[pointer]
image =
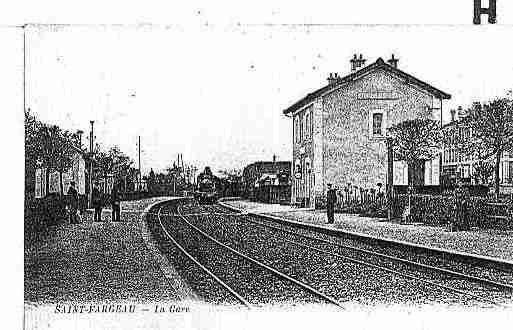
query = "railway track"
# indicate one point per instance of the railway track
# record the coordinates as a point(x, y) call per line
point(487, 277)
point(442, 278)
point(492, 276)
point(243, 277)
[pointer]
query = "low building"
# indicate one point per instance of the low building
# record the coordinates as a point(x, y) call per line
point(339, 130)
point(253, 173)
point(76, 173)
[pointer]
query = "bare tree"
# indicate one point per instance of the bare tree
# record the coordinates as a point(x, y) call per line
point(121, 163)
point(47, 152)
point(65, 149)
point(113, 162)
point(32, 149)
point(483, 170)
point(492, 128)
point(103, 165)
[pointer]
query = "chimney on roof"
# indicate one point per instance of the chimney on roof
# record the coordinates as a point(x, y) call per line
point(393, 61)
point(353, 62)
point(333, 77)
point(357, 62)
point(361, 61)
point(462, 113)
point(453, 115)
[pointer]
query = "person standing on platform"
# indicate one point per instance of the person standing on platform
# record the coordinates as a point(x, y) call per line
point(331, 200)
point(114, 199)
point(460, 218)
point(97, 203)
point(72, 203)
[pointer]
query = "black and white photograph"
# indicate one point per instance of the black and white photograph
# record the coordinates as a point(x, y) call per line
point(250, 175)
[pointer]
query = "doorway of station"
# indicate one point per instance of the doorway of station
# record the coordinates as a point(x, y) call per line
point(309, 198)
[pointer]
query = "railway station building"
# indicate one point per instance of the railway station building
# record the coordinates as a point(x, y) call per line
point(339, 130)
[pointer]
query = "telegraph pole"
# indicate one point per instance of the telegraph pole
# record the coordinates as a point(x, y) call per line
point(91, 143)
point(140, 174)
point(24, 69)
point(79, 133)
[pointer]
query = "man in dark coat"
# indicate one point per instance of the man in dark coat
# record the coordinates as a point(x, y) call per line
point(460, 216)
point(331, 200)
point(114, 200)
point(97, 203)
point(72, 203)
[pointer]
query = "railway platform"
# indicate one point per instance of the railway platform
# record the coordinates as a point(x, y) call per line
point(492, 244)
point(100, 261)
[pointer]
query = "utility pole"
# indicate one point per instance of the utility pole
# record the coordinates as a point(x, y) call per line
point(140, 174)
point(390, 177)
point(24, 69)
point(79, 133)
point(175, 169)
point(91, 156)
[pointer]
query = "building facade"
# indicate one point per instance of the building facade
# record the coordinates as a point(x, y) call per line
point(76, 173)
point(339, 130)
point(458, 163)
point(253, 173)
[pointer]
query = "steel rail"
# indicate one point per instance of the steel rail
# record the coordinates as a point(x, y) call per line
point(482, 280)
point(205, 269)
point(409, 262)
point(386, 269)
point(271, 269)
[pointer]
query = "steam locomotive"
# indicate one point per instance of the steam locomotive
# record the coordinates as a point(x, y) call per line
point(207, 187)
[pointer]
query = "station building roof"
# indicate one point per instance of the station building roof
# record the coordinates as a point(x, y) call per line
point(379, 64)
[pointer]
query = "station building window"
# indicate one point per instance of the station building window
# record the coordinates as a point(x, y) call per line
point(297, 129)
point(377, 121)
point(307, 125)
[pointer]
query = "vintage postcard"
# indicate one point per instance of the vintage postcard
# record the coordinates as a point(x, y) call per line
point(248, 176)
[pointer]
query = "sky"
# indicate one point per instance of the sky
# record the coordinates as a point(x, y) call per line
point(216, 93)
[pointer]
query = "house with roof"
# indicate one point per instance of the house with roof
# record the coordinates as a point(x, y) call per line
point(468, 168)
point(76, 173)
point(254, 172)
point(339, 130)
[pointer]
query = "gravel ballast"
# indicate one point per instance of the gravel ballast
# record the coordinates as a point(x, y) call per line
point(346, 281)
point(372, 251)
point(258, 286)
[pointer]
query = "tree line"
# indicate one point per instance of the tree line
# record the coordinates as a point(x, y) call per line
point(490, 127)
point(51, 147)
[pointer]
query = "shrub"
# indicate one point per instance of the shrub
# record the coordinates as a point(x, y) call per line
point(43, 212)
point(320, 202)
point(370, 209)
point(440, 210)
point(375, 210)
